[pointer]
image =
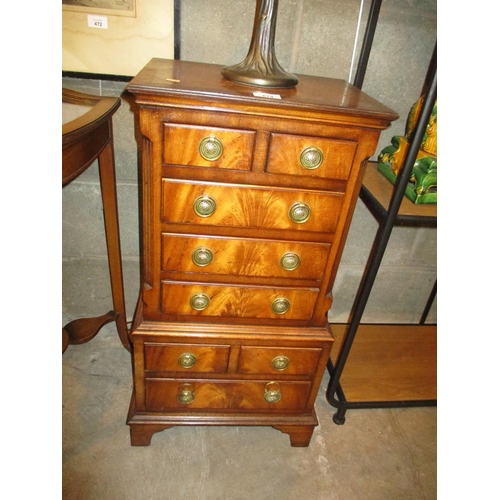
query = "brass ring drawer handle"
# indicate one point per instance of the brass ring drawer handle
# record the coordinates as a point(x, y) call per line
point(299, 213)
point(199, 301)
point(290, 261)
point(280, 305)
point(185, 395)
point(187, 360)
point(210, 148)
point(272, 392)
point(205, 206)
point(280, 363)
point(202, 256)
point(311, 158)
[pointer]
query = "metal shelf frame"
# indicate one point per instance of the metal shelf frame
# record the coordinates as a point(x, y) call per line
point(387, 219)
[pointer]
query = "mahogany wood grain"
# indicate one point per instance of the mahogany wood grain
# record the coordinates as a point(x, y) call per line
point(254, 184)
point(300, 435)
point(244, 256)
point(165, 357)
point(162, 331)
point(85, 139)
point(82, 330)
point(306, 348)
point(225, 395)
point(256, 359)
point(243, 206)
point(285, 151)
point(237, 301)
point(141, 435)
point(182, 146)
point(143, 425)
point(172, 82)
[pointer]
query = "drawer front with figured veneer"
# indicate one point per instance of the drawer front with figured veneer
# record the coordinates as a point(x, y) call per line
point(186, 358)
point(203, 299)
point(243, 256)
point(208, 147)
point(277, 360)
point(249, 207)
point(312, 156)
point(246, 203)
point(204, 395)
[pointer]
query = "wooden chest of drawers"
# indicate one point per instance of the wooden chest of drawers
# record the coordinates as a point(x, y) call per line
point(246, 204)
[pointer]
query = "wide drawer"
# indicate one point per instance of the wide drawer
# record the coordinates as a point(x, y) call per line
point(242, 206)
point(194, 394)
point(278, 360)
point(208, 146)
point(202, 299)
point(312, 156)
point(243, 256)
point(186, 358)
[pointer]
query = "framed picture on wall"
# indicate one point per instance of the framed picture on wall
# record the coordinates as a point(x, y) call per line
point(129, 40)
point(101, 7)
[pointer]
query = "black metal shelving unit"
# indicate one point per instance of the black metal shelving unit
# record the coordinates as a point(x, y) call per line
point(387, 217)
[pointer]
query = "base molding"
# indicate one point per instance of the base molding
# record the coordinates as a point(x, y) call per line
point(144, 424)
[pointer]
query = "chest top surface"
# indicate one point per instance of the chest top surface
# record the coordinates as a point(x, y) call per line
point(164, 80)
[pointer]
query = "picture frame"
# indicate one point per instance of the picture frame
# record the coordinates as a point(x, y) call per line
point(126, 8)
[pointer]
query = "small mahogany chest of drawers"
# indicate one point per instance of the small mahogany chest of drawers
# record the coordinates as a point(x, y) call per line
point(246, 201)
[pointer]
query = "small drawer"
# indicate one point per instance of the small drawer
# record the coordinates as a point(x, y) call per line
point(202, 299)
point(317, 157)
point(186, 358)
point(207, 146)
point(243, 256)
point(193, 394)
point(272, 360)
point(241, 206)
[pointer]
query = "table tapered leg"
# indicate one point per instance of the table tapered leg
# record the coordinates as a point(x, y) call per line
point(110, 209)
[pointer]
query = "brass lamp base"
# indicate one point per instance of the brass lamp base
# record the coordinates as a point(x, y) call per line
point(261, 68)
point(250, 74)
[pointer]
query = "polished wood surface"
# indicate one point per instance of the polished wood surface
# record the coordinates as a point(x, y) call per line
point(84, 139)
point(242, 206)
point(182, 146)
point(228, 172)
point(255, 359)
point(285, 152)
point(229, 378)
point(166, 358)
point(381, 190)
point(389, 362)
point(163, 80)
point(249, 257)
point(81, 330)
point(224, 395)
point(241, 301)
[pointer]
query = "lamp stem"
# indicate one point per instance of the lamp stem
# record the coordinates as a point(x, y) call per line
point(261, 67)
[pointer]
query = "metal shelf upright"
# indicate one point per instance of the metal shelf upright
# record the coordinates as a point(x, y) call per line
point(398, 360)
